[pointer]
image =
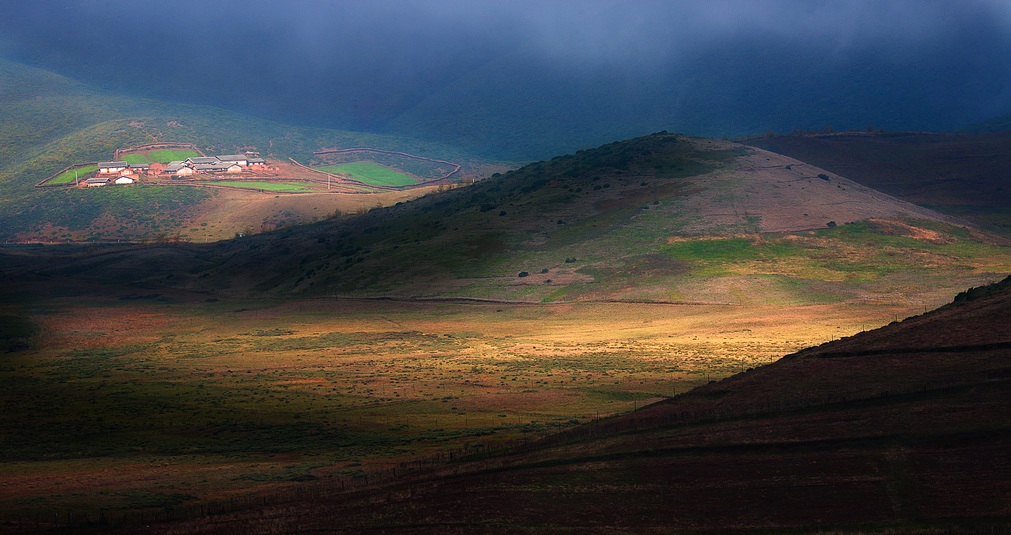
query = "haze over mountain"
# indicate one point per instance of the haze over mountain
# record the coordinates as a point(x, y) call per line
point(257, 353)
point(533, 79)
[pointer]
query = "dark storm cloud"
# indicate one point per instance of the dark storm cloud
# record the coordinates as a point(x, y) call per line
point(582, 70)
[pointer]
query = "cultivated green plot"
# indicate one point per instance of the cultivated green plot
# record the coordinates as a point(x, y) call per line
point(285, 187)
point(170, 155)
point(135, 158)
point(371, 173)
point(72, 175)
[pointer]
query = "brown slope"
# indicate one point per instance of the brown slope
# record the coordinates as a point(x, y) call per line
point(963, 175)
point(607, 208)
point(905, 428)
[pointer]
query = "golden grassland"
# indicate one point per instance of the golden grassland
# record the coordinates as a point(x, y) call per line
point(154, 401)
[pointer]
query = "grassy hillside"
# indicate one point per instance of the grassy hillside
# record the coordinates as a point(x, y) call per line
point(48, 122)
point(962, 175)
point(899, 430)
point(662, 218)
point(164, 377)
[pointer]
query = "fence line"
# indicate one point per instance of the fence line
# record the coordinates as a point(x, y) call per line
point(43, 184)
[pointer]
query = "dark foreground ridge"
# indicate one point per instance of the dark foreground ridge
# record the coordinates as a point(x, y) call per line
point(887, 435)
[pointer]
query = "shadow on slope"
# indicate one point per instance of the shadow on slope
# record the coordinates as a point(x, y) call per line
point(661, 218)
point(902, 428)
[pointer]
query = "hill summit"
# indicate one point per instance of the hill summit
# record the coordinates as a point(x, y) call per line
point(661, 218)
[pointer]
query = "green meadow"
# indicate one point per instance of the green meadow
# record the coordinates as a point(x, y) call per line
point(69, 176)
point(371, 173)
point(135, 158)
point(169, 155)
point(283, 187)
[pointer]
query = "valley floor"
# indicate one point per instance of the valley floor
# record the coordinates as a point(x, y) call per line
point(148, 402)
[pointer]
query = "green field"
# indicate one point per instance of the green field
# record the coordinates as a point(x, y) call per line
point(286, 187)
point(135, 158)
point(70, 175)
point(371, 173)
point(169, 155)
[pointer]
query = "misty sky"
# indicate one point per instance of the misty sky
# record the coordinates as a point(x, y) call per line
point(530, 78)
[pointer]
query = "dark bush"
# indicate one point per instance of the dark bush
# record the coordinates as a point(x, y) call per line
point(523, 274)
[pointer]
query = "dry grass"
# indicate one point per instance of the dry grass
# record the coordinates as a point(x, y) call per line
point(127, 404)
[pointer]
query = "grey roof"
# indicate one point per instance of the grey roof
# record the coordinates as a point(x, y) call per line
point(112, 164)
point(212, 166)
point(203, 160)
point(257, 160)
point(174, 166)
point(140, 166)
point(97, 180)
point(232, 157)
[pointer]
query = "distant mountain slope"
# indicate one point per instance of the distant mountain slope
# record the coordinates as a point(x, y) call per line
point(967, 176)
point(997, 124)
point(48, 122)
point(901, 429)
point(662, 218)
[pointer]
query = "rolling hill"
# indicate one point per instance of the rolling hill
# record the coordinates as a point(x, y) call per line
point(166, 377)
point(662, 218)
point(900, 429)
point(48, 122)
point(963, 175)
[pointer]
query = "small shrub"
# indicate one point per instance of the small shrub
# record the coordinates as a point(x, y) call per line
point(523, 274)
point(831, 224)
point(823, 176)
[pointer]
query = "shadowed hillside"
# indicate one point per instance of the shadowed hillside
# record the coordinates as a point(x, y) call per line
point(662, 218)
point(961, 175)
point(555, 294)
point(902, 429)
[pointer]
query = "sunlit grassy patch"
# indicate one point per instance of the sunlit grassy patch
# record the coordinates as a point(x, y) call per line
point(285, 187)
point(371, 173)
point(183, 403)
point(851, 252)
point(72, 175)
point(169, 155)
point(135, 158)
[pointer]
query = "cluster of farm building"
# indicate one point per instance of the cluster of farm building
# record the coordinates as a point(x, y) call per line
point(122, 172)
